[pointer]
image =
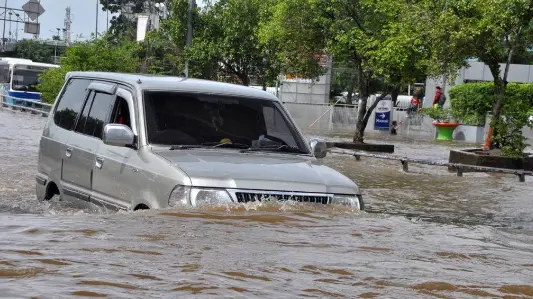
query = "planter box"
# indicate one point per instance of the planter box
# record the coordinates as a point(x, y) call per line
point(479, 157)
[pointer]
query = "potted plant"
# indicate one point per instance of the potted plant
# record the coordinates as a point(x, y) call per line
point(445, 122)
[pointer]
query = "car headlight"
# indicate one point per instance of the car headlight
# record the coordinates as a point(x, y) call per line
point(348, 200)
point(186, 195)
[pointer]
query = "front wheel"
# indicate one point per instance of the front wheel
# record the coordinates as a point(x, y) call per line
point(361, 202)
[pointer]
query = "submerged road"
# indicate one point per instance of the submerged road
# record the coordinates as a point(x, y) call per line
point(427, 234)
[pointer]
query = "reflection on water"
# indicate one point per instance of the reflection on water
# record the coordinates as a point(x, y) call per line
point(427, 234)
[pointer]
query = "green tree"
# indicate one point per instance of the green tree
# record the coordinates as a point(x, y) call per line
point(376, 38)
point(226, 43)
point(490, 30)
point(34, 50)
point(297, 32)
point(125, 24)
point(164, 49)
point(385, 47)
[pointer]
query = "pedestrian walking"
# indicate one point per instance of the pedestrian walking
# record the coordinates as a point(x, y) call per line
point(440, 98)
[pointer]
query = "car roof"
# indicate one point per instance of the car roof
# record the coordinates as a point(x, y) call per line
point(170, 83)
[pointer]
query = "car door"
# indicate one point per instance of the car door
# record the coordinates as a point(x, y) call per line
point(116, 180)
point(57, 133)
point(83, 144)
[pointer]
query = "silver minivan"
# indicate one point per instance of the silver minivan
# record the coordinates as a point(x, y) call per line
point(132, 142)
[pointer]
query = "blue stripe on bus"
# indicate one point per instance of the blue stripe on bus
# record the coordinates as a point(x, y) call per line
point(23, 95)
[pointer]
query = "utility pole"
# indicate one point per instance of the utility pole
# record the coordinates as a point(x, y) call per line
point(4, 34)
point(107, 11)
point(17, 32)
point(67, 31)
point(192, 4)
point(10, 23)
point(96, 31)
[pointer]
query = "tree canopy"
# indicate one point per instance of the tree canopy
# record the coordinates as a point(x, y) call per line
point(34, 50)
point(382, 45)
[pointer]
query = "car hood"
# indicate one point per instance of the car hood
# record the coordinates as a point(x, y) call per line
point(258, 171)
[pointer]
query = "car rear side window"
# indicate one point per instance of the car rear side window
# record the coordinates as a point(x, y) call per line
point(70, 103)
point(99, 114)
point(80, 126)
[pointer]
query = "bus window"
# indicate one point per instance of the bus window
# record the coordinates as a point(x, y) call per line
point(26, 80)
point(4, 73)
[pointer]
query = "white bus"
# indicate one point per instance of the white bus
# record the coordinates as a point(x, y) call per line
point(19, 79)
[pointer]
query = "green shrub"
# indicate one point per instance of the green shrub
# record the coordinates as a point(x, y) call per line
point(472, 102)
point(52, 81)
point(440, 114)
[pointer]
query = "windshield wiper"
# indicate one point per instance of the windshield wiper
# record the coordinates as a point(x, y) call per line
point(184, 146)
point(227, 145)
point(209, 145)
point(281, 148)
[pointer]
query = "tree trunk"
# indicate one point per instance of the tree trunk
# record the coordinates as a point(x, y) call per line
point(394, 94)
point(360, 127)
point(361, 111)
point(351, 88)
point(499, 92)
point(244, 79)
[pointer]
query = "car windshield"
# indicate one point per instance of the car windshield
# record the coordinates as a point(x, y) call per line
point(175, 118)
point(26, 80)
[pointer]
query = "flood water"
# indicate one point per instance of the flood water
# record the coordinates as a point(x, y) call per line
point(426, 234)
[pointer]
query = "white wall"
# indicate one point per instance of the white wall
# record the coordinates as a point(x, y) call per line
point(307, 91)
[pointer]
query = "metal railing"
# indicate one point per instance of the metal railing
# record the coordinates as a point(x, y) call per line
point(339, 118)
point(323, 117)
point(29, 105)
point(459, 168)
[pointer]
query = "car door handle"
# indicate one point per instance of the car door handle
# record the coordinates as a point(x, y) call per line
point(99, 162)
point(68, 152)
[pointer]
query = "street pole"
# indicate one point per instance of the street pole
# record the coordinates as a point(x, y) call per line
point(107, 11)
point(17, 32)
point(189, 32)
point(10, 23)
point(96, 31)
point(4, 34)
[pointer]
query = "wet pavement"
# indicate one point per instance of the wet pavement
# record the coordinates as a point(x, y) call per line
point(426, 234)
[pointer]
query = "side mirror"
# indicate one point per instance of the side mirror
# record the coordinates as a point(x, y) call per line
point(118, 135)
point(319, 148)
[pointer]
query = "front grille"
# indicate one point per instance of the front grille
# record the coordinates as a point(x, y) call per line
point(245, 197)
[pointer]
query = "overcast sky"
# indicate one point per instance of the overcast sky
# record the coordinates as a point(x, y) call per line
point(83, 17)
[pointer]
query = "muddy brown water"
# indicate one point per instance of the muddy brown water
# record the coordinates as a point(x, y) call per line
point(426, 234)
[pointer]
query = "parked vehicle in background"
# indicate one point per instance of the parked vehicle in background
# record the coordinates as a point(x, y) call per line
point(137, 142)
point(19, 79)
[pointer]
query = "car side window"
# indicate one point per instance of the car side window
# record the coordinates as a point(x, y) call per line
point(121, 113)
point(80, 126)
point(276, 126)
point(70, 103)
point(99, 114)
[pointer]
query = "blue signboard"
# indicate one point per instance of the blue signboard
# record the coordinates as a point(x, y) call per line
point(382, 113)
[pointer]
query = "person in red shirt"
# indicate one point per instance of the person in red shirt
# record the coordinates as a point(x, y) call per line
point(438, 95)
point(120, 117)
point(415, 103)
